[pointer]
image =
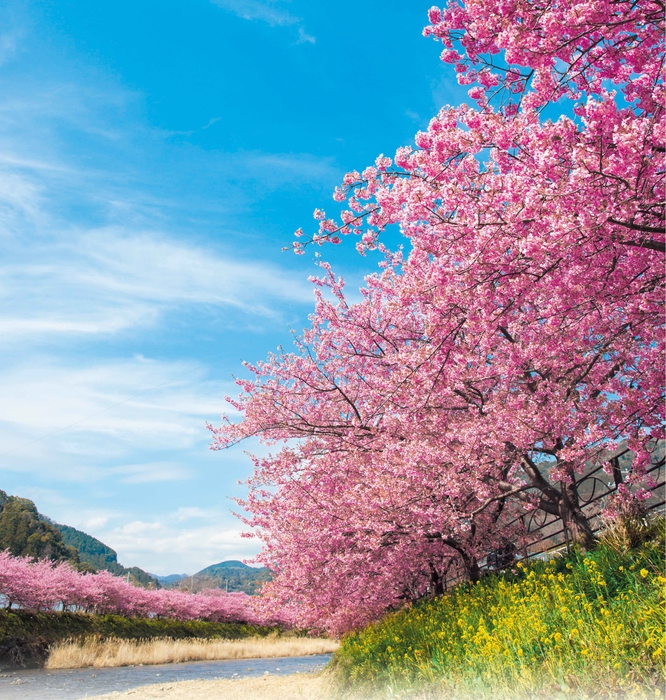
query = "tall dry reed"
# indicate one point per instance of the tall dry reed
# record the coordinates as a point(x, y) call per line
point(122, 652)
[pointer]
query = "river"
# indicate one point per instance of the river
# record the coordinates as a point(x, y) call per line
point(68, 684)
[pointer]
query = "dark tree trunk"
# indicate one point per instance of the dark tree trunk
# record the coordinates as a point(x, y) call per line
point(436, 582)
point(574, 520)
point(471, 566)
point(617, 472)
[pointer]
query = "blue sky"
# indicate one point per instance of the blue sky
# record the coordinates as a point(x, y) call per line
point(154, 160)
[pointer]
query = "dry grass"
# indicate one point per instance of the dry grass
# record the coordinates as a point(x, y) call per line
point(122, 652)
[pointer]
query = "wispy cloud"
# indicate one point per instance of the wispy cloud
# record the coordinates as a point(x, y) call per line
point(212, 121)
point(304, 37)
point(38, 398)
point(129, 281)
point(151, 472)
point(270, 11)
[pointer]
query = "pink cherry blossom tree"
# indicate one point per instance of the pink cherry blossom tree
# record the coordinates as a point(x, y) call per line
point(42, 585)
point(520, 338)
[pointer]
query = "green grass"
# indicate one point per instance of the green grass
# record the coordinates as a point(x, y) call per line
point(25, 637)
point(590, 625)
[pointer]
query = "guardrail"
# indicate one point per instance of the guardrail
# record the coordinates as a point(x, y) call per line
point(545, 534)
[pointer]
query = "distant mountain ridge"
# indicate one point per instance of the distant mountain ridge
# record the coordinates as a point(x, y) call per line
point(170, 579)
point(233, 576)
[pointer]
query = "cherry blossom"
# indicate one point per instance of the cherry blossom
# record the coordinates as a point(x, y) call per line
point(42, 585)
point(516, 340)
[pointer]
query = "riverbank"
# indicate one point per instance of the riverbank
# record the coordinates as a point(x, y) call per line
point(84, 683)
point(111, 653)
point(26, 637)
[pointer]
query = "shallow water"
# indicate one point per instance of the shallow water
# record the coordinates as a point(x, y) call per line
point(68, 684)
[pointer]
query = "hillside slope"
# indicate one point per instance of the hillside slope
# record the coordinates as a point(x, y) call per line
point(100, 555)
point(233, 575)
point(25, 533)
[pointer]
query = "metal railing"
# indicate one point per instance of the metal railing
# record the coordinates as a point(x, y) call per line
point(545, 533)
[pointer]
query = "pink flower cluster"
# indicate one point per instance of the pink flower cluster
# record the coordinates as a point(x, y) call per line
point(42, 585)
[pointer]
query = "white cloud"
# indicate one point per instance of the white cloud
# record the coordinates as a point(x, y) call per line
point(211, 121)
point(304, 37)
point(151, 472)
point(105, 282)
point(46, 497)
point(39, 398)
point(269, 11)
point(184, 514)
point(96, 522)
point(163, 548)
point(63, 278)
point(254, 9)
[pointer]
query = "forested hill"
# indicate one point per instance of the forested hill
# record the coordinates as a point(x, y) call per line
point(24, 531)
point(100, 556)
point(232, 576)
point(235, 576)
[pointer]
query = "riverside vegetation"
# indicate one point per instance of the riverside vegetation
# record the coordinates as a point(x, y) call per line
point(26, 638)
point(590, 624)
point(127, 652)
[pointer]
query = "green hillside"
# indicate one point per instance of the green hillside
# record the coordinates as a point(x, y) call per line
point(90, 549)
point(233, 576)
point(575, 626)
point(26, 534)
point(101, 556)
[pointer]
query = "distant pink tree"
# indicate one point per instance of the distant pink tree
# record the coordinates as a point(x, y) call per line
point(519, 338)
point(42, 585)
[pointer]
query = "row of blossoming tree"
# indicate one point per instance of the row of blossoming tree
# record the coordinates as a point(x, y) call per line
point(43, 585)
point(516, 340)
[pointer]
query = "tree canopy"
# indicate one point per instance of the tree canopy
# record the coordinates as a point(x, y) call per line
point(518, 338)
point(23, 532)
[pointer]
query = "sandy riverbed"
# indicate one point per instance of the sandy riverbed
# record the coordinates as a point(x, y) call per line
point(309, 686)
point(306, 686)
